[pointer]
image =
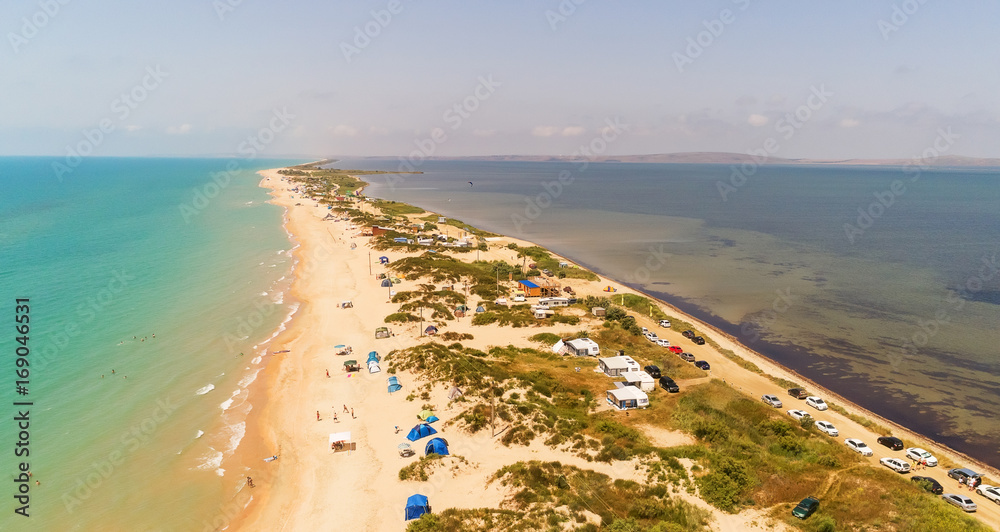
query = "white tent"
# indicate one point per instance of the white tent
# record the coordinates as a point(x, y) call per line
point(341, 441)
point(558, 346)
point(373, 367)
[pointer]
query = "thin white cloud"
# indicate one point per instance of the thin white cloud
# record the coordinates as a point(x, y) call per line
point(484, 132)
point(850, 122)
point(544, 131)
point(757, 120)
point(573, 131)
point(182, 129)
point(344, 130)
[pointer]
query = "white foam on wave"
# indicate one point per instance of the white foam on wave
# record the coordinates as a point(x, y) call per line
point(200, 434)
point(256, 360)
point(264, 294)
point(280, 299)
point(205, 389)
point(229, 402)
point(210, 461)
point(249, 378)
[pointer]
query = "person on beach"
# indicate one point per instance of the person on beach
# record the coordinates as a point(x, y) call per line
point(317, 415)
point(335, 418)
point(345, 409)
point(352, 414)
point(328, 374)
point(397, 429)
point(249, 482)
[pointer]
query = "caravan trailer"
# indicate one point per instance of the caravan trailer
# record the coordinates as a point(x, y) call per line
point(554, 302)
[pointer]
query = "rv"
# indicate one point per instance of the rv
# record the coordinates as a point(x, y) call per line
point(554, 302)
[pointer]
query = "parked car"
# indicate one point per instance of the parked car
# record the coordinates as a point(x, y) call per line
point(665, 324)
point(771, 400)
point(663, 342)
point(645, 331)
point(891, 442)
point(816, 402)
point(687, 357)
point(859, 446)
point(652, 337)
point(990, 492)
point(922, 456)
point(962, 474)
point(688, 334)
point(698, 340)
point(569, 290)
point(547, 272)
point(929, 484)
point(701, 364)
point(895, 464)
point(676, 349)
point(798, 393)
point(798, 414)
point(961, 501)
point(805, 508)
point(653, 371)
point(827, 427)
point(669, 385)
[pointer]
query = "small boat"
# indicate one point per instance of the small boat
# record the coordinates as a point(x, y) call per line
point(271, 458)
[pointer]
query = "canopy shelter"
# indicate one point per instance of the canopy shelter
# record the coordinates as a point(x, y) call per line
point(430, 330)
point(610, 289)
point(382, 332)
point(416, 505)
point(437, 446)
point(346, 304)
point(351, 365)
point(386, 283)
point(427, 416)
point(455, 393)
point(373, 357)
point(420, 431)
point(393, 384)
point(373, 367)
point(341, 441)
point(383, 260)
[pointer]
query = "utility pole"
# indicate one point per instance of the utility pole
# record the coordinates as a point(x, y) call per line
point(369, 263)
point(493, 411)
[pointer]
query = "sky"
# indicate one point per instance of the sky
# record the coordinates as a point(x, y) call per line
point(821, 80)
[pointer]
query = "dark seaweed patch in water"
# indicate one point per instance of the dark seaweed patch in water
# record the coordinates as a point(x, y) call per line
point(983, 296)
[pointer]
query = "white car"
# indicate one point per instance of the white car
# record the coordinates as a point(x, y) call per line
point(663, 342)
point(798, 414)
point(859, 446)
point(645, 330)
point(990, 492)
point(827, 427)
point(771, 400)
point(652, 337)
point(816, 402)
point(922, 456)
point(895, 464)
point(665, 324)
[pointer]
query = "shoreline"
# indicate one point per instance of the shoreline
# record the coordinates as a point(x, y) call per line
point(269, 422)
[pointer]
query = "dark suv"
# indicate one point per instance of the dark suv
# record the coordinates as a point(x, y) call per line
point(698, 340)
point(688, 334)
point(891, 442)
point(798, 393)
point(669, 385)
point(962, 474)
point(653, 371)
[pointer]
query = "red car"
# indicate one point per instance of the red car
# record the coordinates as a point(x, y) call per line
point(675, 349)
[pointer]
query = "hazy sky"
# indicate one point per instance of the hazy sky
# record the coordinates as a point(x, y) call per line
point(852, 78)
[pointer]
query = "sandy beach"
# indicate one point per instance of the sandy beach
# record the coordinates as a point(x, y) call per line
point(309, 487)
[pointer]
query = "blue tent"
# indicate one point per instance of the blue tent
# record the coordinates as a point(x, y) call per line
point(383, 260)
point(437, 445)
point(373, 357)
point(386, 283)
point(394, 385)
point(432, 419)
point(417, 505)
point(420, 431)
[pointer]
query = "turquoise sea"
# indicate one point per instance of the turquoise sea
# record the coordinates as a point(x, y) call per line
point(879, 283)
point(131, 431)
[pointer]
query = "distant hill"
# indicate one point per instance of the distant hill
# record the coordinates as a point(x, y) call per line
point(732, 158)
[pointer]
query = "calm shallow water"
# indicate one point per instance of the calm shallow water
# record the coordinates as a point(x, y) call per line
point(126, 433)
point(898, 313)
